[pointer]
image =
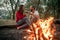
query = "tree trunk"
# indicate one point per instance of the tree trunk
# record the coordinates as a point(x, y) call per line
point(14, 10)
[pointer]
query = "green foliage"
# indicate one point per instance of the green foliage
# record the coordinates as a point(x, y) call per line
point(53, 7)
point(10, 6)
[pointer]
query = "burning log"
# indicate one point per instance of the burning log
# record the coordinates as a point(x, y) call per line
point(42, 30)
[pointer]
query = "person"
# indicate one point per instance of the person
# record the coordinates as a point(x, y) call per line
point(21, 19)
point(34, 14)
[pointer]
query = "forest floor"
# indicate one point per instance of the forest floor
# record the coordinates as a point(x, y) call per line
point(7, 22)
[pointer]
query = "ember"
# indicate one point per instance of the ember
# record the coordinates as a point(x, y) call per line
point(42, 30)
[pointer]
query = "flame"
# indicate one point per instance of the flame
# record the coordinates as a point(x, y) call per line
point(42, 30)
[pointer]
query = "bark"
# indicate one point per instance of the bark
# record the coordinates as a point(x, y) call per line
point(14, 10)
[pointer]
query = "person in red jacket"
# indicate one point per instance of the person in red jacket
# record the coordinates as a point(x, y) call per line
point(21, 19)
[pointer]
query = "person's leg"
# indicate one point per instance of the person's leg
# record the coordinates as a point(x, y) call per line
point(27, 20)
point(32, 20)
point(20, 22)
point(22, 26)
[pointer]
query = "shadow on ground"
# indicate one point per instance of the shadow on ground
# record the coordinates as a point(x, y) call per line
point(11, 34)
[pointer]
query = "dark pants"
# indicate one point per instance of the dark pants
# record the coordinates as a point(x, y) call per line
point(23, 21)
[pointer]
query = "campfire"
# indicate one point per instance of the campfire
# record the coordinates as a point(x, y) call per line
point(42, 30)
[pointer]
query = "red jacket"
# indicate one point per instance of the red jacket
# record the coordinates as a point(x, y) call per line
point(19, 16)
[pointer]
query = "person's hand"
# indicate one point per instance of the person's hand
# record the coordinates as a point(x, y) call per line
point(31, 13)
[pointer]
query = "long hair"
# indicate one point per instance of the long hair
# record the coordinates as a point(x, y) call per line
point(21, 8)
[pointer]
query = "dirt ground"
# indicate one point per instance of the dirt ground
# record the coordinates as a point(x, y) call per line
point(11, 34)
